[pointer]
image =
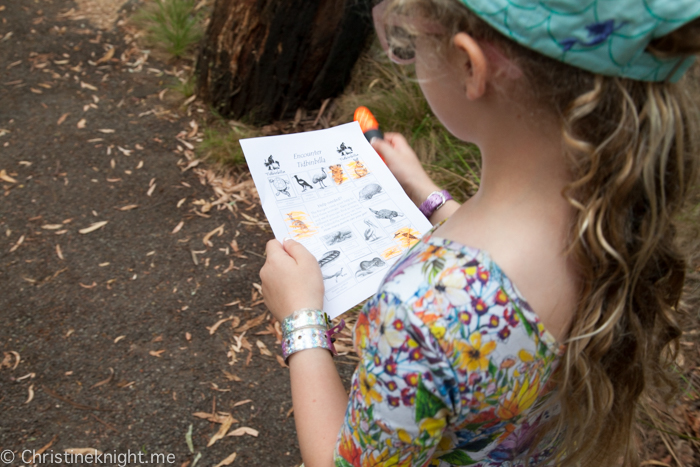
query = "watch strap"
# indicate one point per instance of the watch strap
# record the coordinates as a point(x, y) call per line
point(433, 202)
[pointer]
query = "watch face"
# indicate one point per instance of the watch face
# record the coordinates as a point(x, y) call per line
point(435, 199)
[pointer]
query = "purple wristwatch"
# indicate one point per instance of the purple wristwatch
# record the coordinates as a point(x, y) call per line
point(433, 202)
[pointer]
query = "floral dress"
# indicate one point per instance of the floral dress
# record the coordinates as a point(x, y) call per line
point(453, 367)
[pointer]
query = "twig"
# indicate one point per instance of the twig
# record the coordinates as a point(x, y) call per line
point(74, 404)
point(320, 112)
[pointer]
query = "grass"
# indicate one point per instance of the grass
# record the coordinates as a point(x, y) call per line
point(186, 86)
point(220, 142)
point(172, 25)
point(395, 98)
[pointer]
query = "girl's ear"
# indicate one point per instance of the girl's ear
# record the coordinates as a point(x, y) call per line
point(474, 64)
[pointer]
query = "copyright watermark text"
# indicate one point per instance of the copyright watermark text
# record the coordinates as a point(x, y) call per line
point(87, 456)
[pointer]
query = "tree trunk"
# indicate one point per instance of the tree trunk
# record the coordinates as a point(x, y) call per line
point(263, 59)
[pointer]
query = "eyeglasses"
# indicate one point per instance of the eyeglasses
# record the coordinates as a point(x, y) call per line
point(396, 24)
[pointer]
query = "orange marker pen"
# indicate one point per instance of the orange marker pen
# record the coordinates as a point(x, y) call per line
point(368, 124)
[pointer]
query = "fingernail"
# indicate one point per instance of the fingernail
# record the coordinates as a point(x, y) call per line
point(374, 138)
point(285, 239)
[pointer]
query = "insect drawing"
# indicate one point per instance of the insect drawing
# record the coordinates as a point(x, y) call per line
point(369, 191)
point(337, 237)
point(281, 186)
point(406, 237)
point(343, 149)
point(338, 175)
point(299, 224)
point(303, 183)
point(386, 214)
point(368, 267)
point(357, 169)
point(272, 164)
point(391, 251)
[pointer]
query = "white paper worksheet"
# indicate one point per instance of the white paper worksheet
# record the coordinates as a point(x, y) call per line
point(329, 190)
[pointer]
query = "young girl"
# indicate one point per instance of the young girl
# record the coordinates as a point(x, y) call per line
point(526, 326)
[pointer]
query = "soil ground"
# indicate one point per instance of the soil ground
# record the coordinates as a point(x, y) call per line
point(108, 338)
point(111, 326)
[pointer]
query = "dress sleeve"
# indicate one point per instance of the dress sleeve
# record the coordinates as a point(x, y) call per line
point(403, 392)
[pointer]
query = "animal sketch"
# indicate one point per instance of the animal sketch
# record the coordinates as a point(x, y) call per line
point(337, 173)
point(368, 267)
point(369, 191)
point(337, 236)
point(360, 169)
point(297, 224)
point(328, 257)
point(272, 164)
point(344, 149)
point(303, 183)
point(319, 178)
point(281, 186)
point(370, 232)
point(335, 276)
point(386, 214)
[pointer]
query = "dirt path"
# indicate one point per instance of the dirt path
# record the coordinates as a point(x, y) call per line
point(111, 326)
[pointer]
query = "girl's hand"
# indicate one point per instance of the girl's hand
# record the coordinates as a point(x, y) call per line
point(291, 279)
point(404, 164)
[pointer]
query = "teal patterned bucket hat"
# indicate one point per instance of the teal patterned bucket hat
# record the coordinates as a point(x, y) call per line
point(608, 37)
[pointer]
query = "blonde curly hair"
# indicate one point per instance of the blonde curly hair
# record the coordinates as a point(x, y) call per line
point(633, 151)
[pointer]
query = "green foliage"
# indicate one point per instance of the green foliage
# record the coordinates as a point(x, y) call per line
point(395, 99)
point(173, 25)
point(221, 144)
point(185, 86)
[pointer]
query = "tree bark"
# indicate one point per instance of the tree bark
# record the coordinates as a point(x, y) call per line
point(263, 59)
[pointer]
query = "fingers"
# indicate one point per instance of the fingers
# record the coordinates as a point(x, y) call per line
point(396, 140)
point(298, 251)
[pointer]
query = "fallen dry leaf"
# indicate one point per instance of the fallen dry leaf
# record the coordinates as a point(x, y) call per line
point(221, 417)
point(52, 226)
point(85, 85)
point(16, 245)
point(188, 336)
point(244, 430)
point(280, 360)
point(81, 123)
point(231, 376)
point(247, 401)
point(62, 118)
point(118, 339)
point(31, 394)
point(59, 252)
point(151, 190)
point(104, 381)
point(178, 227)
point(263, 348)
point(212, 329)
point(93, 227)
point(106, 57)
point(217, 231)
point(251, 323)
point(227, 461)
point(7, 178)
point(44, 448)
point(128, 207)
point(223, 429)
point(156, 353)
point(94, 284)
point(106, 130)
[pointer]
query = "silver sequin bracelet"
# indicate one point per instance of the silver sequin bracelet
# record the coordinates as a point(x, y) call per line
point(308, 329)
